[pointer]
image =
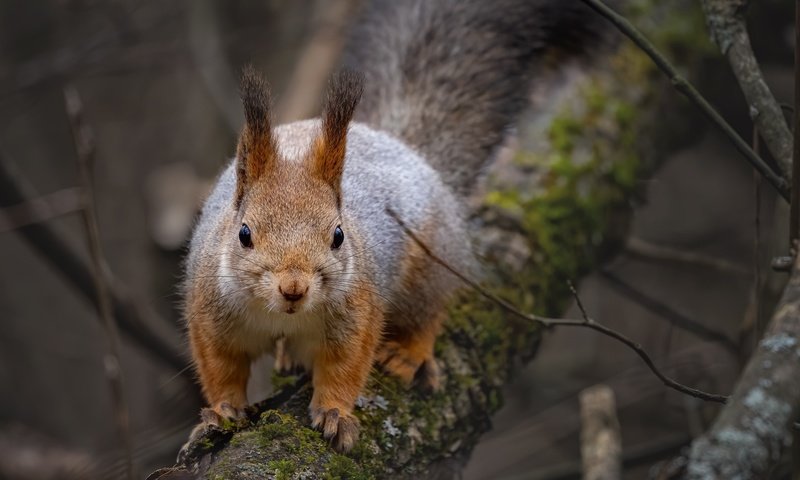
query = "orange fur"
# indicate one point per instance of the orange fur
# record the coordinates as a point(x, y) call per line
point(223, 371)
point(342, 365)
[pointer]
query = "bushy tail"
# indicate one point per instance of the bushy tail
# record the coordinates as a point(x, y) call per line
point(450, 76)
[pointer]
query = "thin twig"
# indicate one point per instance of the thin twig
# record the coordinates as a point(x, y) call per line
point(590, 323)
point(644, 249)
point(14, 190)
point(211, 61)
point(550, 322)
point(667, 312)
point(40, 209)
point(85, 148)
point(687, 89)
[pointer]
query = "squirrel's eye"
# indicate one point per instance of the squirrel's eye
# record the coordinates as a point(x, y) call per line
point(338, 237)
point(244, 236)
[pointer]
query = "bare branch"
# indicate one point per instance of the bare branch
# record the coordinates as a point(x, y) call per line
point(85, 148)
point(40, 209)
point(551, 322)
point(669, 313)
point(750, 433)
point(687, 89)
point(645, 249)
point(726, 23)
point(14, 190)
point(208, 52)
point(601, 441)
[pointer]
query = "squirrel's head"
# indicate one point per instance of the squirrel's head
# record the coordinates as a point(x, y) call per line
point(289, 245)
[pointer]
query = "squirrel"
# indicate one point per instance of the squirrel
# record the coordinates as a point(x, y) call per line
point(297, 246)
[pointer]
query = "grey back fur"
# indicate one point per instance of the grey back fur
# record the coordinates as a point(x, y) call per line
point(450, 76)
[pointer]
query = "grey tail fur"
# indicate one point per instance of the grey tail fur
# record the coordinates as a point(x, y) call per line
point(450, 76)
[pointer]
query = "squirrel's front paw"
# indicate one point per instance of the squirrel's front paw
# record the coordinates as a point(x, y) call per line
point(211, 418)
point(340, 429)
point(221, 413)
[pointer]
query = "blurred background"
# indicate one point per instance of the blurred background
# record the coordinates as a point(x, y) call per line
point(157, 84)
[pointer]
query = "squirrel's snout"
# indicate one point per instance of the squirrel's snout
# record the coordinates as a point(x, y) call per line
point(293, 290)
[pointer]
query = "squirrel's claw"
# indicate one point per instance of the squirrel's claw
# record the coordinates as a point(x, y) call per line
point(211, 418)
point(341, 430)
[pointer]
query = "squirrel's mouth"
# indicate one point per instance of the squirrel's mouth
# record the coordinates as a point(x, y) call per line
point(290, 310)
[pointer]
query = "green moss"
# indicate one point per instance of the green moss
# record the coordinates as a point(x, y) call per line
point(283, 469)
point(341, 467)
point(206, 443)
point(281, 381)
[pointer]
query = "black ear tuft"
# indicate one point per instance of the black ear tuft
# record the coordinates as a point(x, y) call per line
point(256, 99)
point(344, 93)
point(256, 153)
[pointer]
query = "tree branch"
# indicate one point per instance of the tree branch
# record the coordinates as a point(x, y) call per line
point(726, 23)
point(668, 312)
point(752, 430)
point(601, 441)
point(40, 209)
point(85, 150)
point(687, 89)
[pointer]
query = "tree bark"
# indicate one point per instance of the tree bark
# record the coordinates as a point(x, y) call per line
point(754, 428)
point(728, 27)
point(601, 441)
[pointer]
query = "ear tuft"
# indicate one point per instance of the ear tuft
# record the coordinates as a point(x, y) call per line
point(256, 100)
point(344, 93)
point(256, 152)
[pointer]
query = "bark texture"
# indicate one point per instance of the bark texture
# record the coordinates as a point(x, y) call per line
point(755, 427)
point(728, 28)
point(601, 441)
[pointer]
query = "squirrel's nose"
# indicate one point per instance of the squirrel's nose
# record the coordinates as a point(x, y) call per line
point(292, 297)
point(293, 292)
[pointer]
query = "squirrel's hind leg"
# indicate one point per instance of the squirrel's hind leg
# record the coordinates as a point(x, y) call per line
point(408, 353)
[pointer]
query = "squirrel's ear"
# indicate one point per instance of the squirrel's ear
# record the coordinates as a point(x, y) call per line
point(344, 93)
point(256, 152)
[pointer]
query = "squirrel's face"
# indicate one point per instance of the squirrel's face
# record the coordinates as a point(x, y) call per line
point(290, 248)
point(288, 245)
